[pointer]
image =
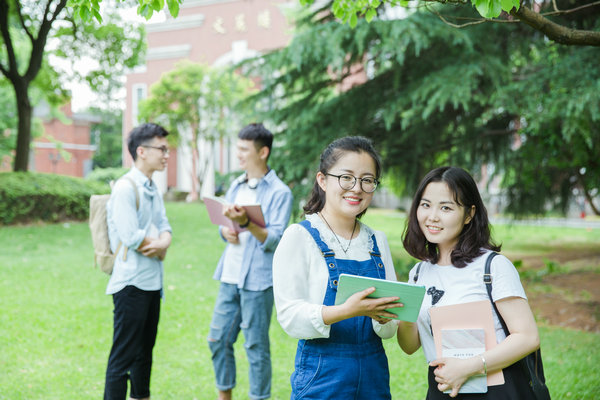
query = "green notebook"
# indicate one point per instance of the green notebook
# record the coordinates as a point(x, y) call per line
point(410, 295)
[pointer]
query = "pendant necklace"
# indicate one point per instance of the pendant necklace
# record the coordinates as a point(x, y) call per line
point(336, 237)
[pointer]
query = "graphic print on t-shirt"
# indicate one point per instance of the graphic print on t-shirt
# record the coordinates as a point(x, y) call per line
point(436, 294)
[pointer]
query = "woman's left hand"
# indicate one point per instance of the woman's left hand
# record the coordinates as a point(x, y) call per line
point(451, 373)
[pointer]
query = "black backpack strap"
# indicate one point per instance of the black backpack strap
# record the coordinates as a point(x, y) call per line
point(416, 277)
point(487, 279)
point(531, 365)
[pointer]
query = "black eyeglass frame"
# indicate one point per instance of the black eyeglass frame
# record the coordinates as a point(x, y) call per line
point(165, 150)
point(375, 181)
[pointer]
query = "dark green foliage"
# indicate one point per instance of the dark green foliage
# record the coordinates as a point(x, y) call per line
point(560, 131)
point(223, 181)
point(433, 95)
point(27, 197)
point(419, 106)
point(108, 136)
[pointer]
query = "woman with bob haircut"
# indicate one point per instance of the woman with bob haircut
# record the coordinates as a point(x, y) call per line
point(340, 354)
point(448, 229)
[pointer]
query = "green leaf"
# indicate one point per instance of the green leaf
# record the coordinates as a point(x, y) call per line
point(84, 13)
point(488, 8)
point(173, 6)
point(371, 13)
point(338, 11)
point(145, 11)
point(158, 5)
point(97, 15)
point(508, 5)
point(353, 20)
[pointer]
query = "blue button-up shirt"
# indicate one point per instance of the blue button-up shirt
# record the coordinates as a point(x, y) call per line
point(129, 225)
point(275, 199)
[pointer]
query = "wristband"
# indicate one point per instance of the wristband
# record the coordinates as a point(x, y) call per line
point(246, 224)
point(484, 364)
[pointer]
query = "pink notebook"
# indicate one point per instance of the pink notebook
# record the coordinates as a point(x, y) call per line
point(473, 315)
point(215, 205)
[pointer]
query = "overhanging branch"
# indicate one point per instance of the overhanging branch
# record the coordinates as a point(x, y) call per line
point(538, 21)
point(556, 32)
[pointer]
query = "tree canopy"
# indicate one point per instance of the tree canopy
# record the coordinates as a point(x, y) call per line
point(543, 16)
point(27, 27)
point(195, 101)
point(429, 94)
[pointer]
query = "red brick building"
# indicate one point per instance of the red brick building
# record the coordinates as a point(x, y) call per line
point(62, 140)
point(214, 32)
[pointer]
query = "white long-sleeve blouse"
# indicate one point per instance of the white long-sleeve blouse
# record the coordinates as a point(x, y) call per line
point(300, 276)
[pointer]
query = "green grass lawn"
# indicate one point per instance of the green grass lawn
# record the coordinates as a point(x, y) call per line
point(56, 322)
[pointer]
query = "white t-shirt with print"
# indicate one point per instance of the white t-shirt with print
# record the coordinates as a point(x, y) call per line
point(447, 285)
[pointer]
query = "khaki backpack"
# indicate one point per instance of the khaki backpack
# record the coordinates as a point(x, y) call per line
point(103, 256)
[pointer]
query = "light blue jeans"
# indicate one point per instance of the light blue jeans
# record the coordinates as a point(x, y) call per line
point(249, 311)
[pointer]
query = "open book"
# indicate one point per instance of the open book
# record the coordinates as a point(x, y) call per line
point(410, 295)
point(215, 206)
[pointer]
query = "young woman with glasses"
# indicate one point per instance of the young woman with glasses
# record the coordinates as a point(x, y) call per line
point(340, 353)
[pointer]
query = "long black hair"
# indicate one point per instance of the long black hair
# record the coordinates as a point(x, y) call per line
point(332, 153)
point(475, 235)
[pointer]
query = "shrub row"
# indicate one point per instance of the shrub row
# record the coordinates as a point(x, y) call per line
point(106, 175)
point(27, 197)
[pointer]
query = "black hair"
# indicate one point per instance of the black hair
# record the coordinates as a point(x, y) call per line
point(330, 156)
point(475, 235)
point(143, 134)
point(258, 134)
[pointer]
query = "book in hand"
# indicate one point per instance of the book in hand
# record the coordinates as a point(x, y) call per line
point(466, 316)
point(465, 343)
point(215, 206)
point(410, 295)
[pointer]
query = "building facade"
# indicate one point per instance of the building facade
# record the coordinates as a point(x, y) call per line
point(65, 146)
point(213, 32)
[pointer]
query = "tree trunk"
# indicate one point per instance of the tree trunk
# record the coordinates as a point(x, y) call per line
point(193, 196)
point(25, 111)
point(590, 200)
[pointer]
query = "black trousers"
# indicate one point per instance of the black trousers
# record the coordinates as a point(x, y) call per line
point(515, 387)
point(136, 315)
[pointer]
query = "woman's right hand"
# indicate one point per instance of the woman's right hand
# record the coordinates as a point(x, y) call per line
point(359, 305)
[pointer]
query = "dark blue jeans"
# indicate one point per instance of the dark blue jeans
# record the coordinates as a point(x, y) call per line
point(136, 316)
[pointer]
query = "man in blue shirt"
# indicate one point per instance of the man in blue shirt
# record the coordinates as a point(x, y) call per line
point(140, 233)
point(245, 299)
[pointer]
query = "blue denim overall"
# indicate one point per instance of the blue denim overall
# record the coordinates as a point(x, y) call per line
point(351, 363)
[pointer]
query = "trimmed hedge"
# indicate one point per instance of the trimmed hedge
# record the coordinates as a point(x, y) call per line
point(28, 196)
point(106, 175)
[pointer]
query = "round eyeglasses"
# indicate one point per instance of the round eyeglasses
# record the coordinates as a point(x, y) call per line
point(347, 182)
point(164, 149)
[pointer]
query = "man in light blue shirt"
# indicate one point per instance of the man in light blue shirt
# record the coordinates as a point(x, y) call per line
point(140, 233)
point(245, 299)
